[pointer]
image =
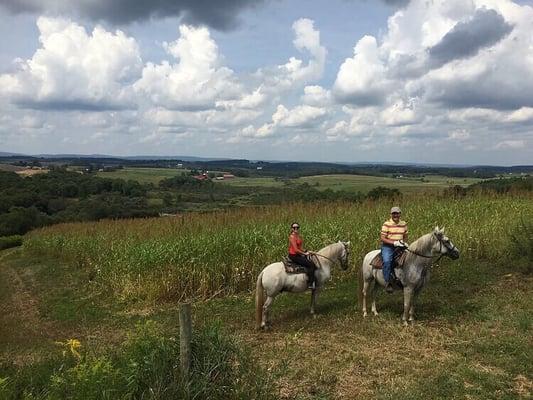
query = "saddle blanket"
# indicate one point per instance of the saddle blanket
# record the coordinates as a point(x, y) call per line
point(398, 260)
point(293, 268)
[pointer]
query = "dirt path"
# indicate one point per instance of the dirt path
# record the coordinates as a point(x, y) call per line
point(21, 325)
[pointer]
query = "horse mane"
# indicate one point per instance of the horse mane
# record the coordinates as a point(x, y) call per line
point(326, 251)
point(421, 244)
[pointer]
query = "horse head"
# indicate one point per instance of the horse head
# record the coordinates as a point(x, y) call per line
point(344, 257)
point(443, 245)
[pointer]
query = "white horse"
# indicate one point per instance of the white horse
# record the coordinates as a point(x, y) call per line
point(414, 274)
point(273, 280)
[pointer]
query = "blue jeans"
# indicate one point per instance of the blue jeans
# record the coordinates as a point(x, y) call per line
point(387, 253)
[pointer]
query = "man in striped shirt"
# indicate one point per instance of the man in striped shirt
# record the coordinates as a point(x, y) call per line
point(393, 235)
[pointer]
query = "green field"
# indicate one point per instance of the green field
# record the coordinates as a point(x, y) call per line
point(358, 183)
point(143, 175)
point(96, 282)
point(364, 184)
point(351, 183)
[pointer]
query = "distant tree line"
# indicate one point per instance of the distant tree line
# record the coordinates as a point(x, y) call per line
point(63, 196)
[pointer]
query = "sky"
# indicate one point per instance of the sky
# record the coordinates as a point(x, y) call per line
point(417, 81)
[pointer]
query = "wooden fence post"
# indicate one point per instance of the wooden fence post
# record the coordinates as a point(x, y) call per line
point(185, 339)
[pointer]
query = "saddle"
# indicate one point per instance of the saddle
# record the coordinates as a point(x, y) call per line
point(292, 268)
point(397, 260)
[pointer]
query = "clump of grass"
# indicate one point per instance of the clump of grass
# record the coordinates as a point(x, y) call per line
point(146, 366)
point(522, 243)
point(7, 242)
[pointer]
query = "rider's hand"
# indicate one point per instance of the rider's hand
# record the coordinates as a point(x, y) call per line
point(405, 244)
point(399, 243)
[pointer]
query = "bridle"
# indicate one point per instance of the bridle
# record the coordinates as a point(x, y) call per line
point(441, 254)
point(343, 262)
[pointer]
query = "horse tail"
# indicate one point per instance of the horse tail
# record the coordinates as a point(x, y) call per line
point(361, 284)
point(259, 301)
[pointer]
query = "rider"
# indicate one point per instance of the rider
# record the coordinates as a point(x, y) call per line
point(393, 235)
point(298, 255)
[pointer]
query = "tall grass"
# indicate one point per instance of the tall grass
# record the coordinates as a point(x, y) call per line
point(145, 366)
point(202, 255)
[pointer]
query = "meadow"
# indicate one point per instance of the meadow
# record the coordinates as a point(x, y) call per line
point(338, 182)
point(96, 281)
point(142, 175)
point(365, 183)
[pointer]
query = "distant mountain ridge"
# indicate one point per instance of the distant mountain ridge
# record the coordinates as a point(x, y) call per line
point(68, 156)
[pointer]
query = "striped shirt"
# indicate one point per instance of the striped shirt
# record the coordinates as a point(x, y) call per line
point(394, 231)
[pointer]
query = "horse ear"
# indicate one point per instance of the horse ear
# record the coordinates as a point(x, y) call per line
point(436, 230)
point(442, 230)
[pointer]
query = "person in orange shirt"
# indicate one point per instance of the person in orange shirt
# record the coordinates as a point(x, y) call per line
point(393, 235)
point(300, 256)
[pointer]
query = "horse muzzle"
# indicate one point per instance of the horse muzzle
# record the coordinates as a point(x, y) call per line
point(454, 253)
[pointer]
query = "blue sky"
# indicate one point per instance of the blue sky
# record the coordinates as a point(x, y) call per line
point(344, 80)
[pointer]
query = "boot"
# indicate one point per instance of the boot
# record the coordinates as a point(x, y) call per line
point(311, 285)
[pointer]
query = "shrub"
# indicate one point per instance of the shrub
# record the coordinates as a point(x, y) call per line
point(7, 242)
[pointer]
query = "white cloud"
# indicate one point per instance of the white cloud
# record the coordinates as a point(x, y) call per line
point(295, 72)
point(510, 144)
point(316, 96)
point(74, 69)
point(196, 81)
point(362, 79)
point(524, 114)
point(299, 117)
point(400, 113)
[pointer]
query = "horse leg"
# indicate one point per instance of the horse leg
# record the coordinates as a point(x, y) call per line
point(412, 309)
point(266, 311)
point(364, 291)
point(314, 297)
point(407, 303)
point(373, 294)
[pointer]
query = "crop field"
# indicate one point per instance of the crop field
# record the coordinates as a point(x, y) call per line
point(364, 183)
point(200, 255)
point(143, 175)
point(359, 183)
point(96, 281)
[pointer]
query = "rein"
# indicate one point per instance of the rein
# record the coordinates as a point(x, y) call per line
point(327, 258)
point(431, 256)
point(318, 261)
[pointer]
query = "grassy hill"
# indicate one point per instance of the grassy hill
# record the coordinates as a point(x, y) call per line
point(96, 282)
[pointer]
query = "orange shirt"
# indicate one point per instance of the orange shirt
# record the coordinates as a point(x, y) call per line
point(295, 244)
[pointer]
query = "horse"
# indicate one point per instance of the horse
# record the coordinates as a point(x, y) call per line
point(415, 272)
point(273, 280)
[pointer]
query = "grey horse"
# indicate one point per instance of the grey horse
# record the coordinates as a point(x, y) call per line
point(273, 280)
point(413, 276)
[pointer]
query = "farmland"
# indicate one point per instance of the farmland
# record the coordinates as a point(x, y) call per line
point(345, 182)
point(143, 175)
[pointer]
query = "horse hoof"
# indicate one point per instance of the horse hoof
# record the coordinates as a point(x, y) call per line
point(314, 315)
point(375, 314)
point(365, 315)
point(405, 323)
